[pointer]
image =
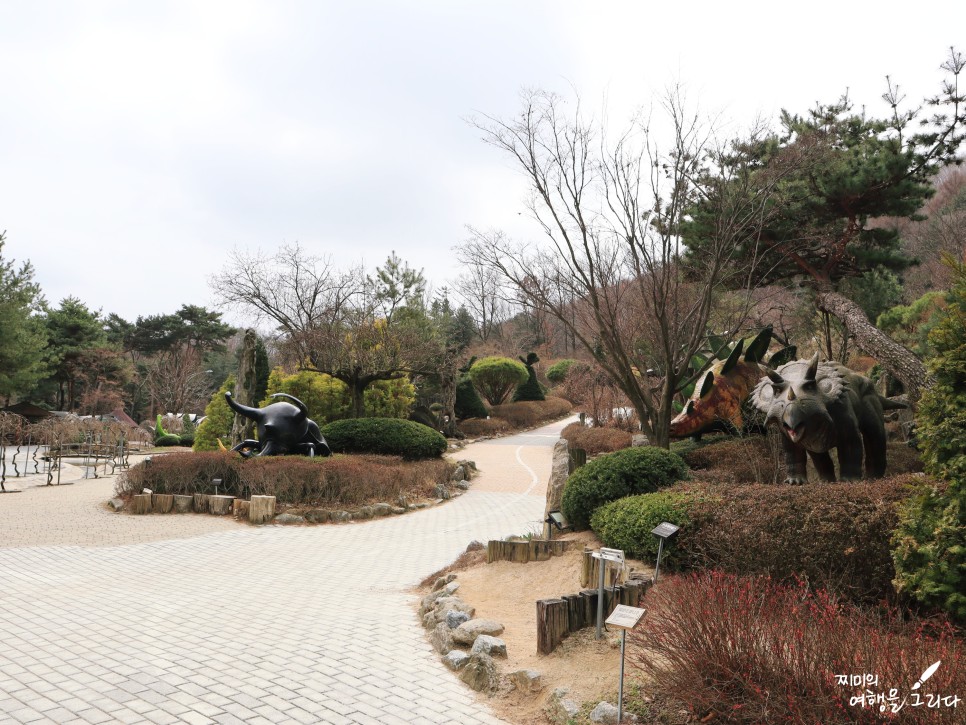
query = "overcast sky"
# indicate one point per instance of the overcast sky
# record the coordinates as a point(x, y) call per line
point(141, 141)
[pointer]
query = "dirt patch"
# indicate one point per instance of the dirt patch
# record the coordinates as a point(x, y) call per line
point(508, 592)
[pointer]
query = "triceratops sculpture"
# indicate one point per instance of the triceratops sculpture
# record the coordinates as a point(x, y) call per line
point(820, 406)
point(282, 428)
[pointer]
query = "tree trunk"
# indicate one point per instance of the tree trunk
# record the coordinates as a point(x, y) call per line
point(243, 428)
point(898, 360)
point(358, 401)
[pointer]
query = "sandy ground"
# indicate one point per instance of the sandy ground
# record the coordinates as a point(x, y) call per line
point(508, 592)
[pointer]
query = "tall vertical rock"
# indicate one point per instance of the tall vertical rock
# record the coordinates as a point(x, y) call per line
point(245, 386)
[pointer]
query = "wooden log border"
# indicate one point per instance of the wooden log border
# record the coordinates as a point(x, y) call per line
point(558, 618)
point(523, 552)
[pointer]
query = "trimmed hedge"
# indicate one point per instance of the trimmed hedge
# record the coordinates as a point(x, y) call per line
point(834, 536)
point(335, 482)
point(627, 522)
point(616, 475)
point(603, 439)
point(387, 436)
point(169, 439)
point(496, 377)
point(468, 404)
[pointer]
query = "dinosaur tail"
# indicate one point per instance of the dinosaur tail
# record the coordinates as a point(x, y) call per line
point(893, 403)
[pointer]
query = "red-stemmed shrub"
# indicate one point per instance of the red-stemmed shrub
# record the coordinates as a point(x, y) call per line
point(749, 650)
point(596, 440)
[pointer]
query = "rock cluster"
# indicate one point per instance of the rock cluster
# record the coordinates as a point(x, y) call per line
point(469, 646)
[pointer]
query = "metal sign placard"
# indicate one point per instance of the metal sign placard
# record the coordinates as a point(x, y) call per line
point(665, 530)
point(616, 555)
point(625, 617)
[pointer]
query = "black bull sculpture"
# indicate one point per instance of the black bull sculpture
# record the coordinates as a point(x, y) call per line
point(282, 428)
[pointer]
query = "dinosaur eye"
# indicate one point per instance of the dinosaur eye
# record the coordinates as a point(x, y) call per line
point(776, 390)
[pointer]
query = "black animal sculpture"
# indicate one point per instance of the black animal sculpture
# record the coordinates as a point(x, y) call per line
point(820, 406)
point(282, 428)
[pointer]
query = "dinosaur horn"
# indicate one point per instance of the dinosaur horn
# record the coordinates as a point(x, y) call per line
point(774, 377)
point(303, 411)
point(250, 413)
point(812, 368)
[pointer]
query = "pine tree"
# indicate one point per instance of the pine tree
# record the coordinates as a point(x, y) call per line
point(218, 420)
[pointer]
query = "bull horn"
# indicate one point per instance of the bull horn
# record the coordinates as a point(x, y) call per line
point(774, 377)
point(303, 411)
point(255, 414)
point(812, 368)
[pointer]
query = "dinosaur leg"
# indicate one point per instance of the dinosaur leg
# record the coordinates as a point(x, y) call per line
point(850, 458)
point(794, 462)
point(248, 447)
point(823, 464)
point(271, 449)
point(874, 440)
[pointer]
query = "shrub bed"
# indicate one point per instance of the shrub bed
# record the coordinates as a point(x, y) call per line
point(296, 480)
point(387, 436)
point(627, 522)
point(516, 416)
point(616, 475)
point(836, 536)
point(749, 650)
point(596, 440)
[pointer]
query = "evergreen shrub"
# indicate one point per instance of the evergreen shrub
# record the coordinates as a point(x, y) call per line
point(616, 475)
point(557, 372)
point(531, 389)
point(496, 377)
point(930, 553)
point(168, 439)
point(627, 522)
point(217, 421)
point(388, 436)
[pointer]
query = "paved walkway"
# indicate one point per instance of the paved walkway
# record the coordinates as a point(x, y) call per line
point(242, 625)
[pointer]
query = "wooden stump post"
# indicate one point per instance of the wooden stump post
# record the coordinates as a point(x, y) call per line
point(201, 503)
point(162, 502)
point(142, 503)
point(240, 508)
point(552, 624)
point(261, 509)
point(220, 505)
point(182, 504)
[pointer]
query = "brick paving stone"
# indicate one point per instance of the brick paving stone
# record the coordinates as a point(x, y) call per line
point(203, 619)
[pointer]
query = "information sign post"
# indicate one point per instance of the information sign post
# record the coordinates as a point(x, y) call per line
point(662, 531)
point(604, 555)
point(625, 618)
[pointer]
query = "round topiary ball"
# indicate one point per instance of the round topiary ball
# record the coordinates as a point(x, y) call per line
point(386, 436)
point(616, 475)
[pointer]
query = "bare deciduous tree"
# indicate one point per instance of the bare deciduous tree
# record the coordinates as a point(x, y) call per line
point(611, 268)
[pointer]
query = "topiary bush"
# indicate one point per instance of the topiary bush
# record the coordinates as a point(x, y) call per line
point(388, 436)
point(530, 390)
point(497, 377)
point(168, 439)
point(627, 522)
point(616, 475)
point(469, 404)
point(217, 421)
point(557, 372)
point(328, 399)
point(930, 553)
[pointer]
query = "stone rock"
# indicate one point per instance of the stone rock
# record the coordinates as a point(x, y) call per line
point(451, 587)
point(452, 604)
point(288, 519)
point(458, 474)
point(526, 680)
point(493, 646)
point(402, 502)
point(420, 505)
point(381, 509)
point(467, 632)
point(317, 516)
point(456, 659)
point(429, 620)
point(463, 485)
point(116, 503)
point(475, 545)
point(454, 618)
point(638, 440)
point(443, 581)
point(561, 708)
point(340, 516)
point(441, 492)
point(398, 509)
point(559, 470)
point(605, 713)
point(442, 638)
point(428, 603)
point(365, 512)
point(480, 673)
point(467, 466)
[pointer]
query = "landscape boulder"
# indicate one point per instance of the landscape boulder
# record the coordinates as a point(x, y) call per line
point(480, 673)
point(493, 646)
point(467, 632)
